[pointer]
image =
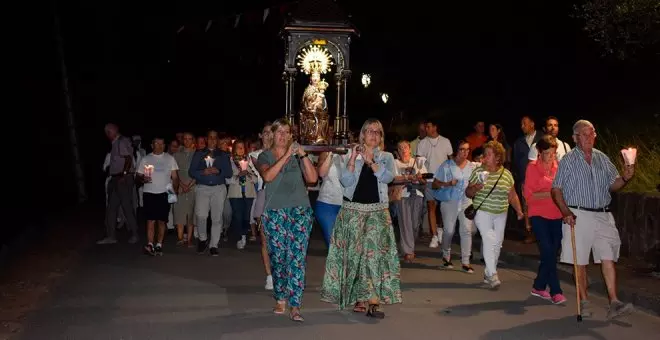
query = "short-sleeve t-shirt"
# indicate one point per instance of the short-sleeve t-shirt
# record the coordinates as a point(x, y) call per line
point(288, 189)
point(163, 165)
point(498, 201)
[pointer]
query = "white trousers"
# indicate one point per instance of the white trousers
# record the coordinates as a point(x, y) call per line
point(450, 213)
point(491, 227)
point(210, 198)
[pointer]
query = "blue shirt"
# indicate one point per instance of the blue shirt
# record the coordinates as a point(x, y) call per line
point(385, 174)
point(586, 185)
point(449, 171)
point(221, 162)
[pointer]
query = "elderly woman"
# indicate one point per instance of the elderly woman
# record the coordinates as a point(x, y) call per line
point(545, 218)
point(287, 217)
point(449, 183)
point(409, 198)
point(362, 264)
point(492, 190)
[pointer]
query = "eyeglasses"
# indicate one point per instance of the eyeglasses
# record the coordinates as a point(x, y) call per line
point(372, 132)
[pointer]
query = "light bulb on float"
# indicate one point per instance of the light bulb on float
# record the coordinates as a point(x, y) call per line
point(366, 80)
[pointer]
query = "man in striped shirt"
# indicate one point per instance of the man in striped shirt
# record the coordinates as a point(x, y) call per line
point(581, 189)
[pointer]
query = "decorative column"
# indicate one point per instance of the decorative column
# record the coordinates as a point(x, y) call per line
point(290, 80)
point(285, 77)
point(342, 132)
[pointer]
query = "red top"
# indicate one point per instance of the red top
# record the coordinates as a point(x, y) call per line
point(536, 180)
point(475, 142)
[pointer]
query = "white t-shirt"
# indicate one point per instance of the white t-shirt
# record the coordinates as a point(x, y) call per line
point(163, 165)
point(331, 191)
point(436, 151)
point(400, 169)
point(562, 149)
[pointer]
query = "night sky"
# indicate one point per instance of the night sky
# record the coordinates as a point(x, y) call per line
point(475, 60)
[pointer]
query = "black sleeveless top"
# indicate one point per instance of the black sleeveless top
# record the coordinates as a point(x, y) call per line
point(366, 191)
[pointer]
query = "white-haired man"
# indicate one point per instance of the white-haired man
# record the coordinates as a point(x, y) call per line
point(581, 189)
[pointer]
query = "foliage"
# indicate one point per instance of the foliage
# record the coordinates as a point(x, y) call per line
point(621, 27)
point(647, 141)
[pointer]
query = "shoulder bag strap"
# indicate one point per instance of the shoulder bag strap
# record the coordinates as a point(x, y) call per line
point(491, 189)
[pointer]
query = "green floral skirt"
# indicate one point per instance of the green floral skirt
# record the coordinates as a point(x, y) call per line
point(362, 262)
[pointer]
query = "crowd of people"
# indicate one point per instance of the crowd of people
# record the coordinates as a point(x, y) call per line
point(217, 187)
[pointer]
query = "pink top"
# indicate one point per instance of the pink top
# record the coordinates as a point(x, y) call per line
point(536, 180)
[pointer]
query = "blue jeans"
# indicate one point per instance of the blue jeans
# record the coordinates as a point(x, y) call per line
point(326, 214)
point(240, 217)
point(548, 238)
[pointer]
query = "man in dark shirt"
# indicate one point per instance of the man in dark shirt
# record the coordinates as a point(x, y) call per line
point(210, 168)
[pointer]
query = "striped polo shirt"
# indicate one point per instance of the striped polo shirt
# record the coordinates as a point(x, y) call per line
point(585, 185)
point(498, 201)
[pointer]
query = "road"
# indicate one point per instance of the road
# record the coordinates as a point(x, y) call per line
point(118, 293)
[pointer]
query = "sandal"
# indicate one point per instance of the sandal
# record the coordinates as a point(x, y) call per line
point(359, 307)
point(375, 312)
point(280, 308)
point(409, 258)
point(295, 316)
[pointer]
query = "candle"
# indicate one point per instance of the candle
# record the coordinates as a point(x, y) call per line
point(148, 170)
point(629, 155)
point(209, 161)
point(483, 176)
point(244, 164)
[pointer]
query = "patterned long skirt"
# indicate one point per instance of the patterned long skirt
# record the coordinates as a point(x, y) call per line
point(287, 232)
point(362, 262)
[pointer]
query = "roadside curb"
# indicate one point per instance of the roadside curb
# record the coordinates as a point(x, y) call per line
point(642, 300)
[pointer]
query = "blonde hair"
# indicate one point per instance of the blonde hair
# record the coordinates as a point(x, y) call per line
point(366, 124)
point(498, 150)
point(282, 122)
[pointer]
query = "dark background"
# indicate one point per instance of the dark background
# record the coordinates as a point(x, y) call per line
point(475, 60)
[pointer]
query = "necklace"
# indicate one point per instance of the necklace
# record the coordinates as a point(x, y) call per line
point(436, 142)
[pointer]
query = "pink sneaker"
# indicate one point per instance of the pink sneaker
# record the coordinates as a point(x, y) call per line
point(558, 299)
point(541, 293)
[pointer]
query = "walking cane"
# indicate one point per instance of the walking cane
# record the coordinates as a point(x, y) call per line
point(577, 275)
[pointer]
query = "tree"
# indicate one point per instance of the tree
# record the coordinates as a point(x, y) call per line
point(623, 28)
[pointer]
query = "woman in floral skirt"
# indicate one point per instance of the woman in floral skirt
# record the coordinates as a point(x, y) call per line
point(362, 267)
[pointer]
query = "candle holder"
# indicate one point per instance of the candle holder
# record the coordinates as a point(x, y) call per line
point(629, 155)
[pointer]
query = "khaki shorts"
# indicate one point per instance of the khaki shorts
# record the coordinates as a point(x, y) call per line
point(594, 231)
point(183, 210)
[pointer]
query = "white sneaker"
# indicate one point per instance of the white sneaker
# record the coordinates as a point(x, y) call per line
point(269, 282)
point(241, 243)
point(494, 281)
point(434, 242)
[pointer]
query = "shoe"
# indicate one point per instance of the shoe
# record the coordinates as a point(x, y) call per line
point(494, 281)
point(213, 251)
point(543, 294)
point(269, 282)
point(201, 247)
point(467, 269)
point(253, 238)
point(133, 239)
point(434, 242)
point(447, 264)
point(585, 309)
point(149, 249)
point(618, 309)
point(107, 240)
point(158, 250)
point(241, 243)
point(558, 299)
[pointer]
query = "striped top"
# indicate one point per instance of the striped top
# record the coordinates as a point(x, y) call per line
point(585, 185)
point(498, 201)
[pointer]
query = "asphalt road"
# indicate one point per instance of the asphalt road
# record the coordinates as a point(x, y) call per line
point(118, 293)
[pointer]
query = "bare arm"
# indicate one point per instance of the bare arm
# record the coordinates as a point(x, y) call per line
point(309, 171)
point(540, 194)
point(473, 189)
point(558, 198)
point(269, 172)
point(175, 180)
point(325, 160)
point(514, 200)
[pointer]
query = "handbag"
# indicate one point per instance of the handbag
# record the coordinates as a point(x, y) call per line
point(444, 194)
point(470, 212)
